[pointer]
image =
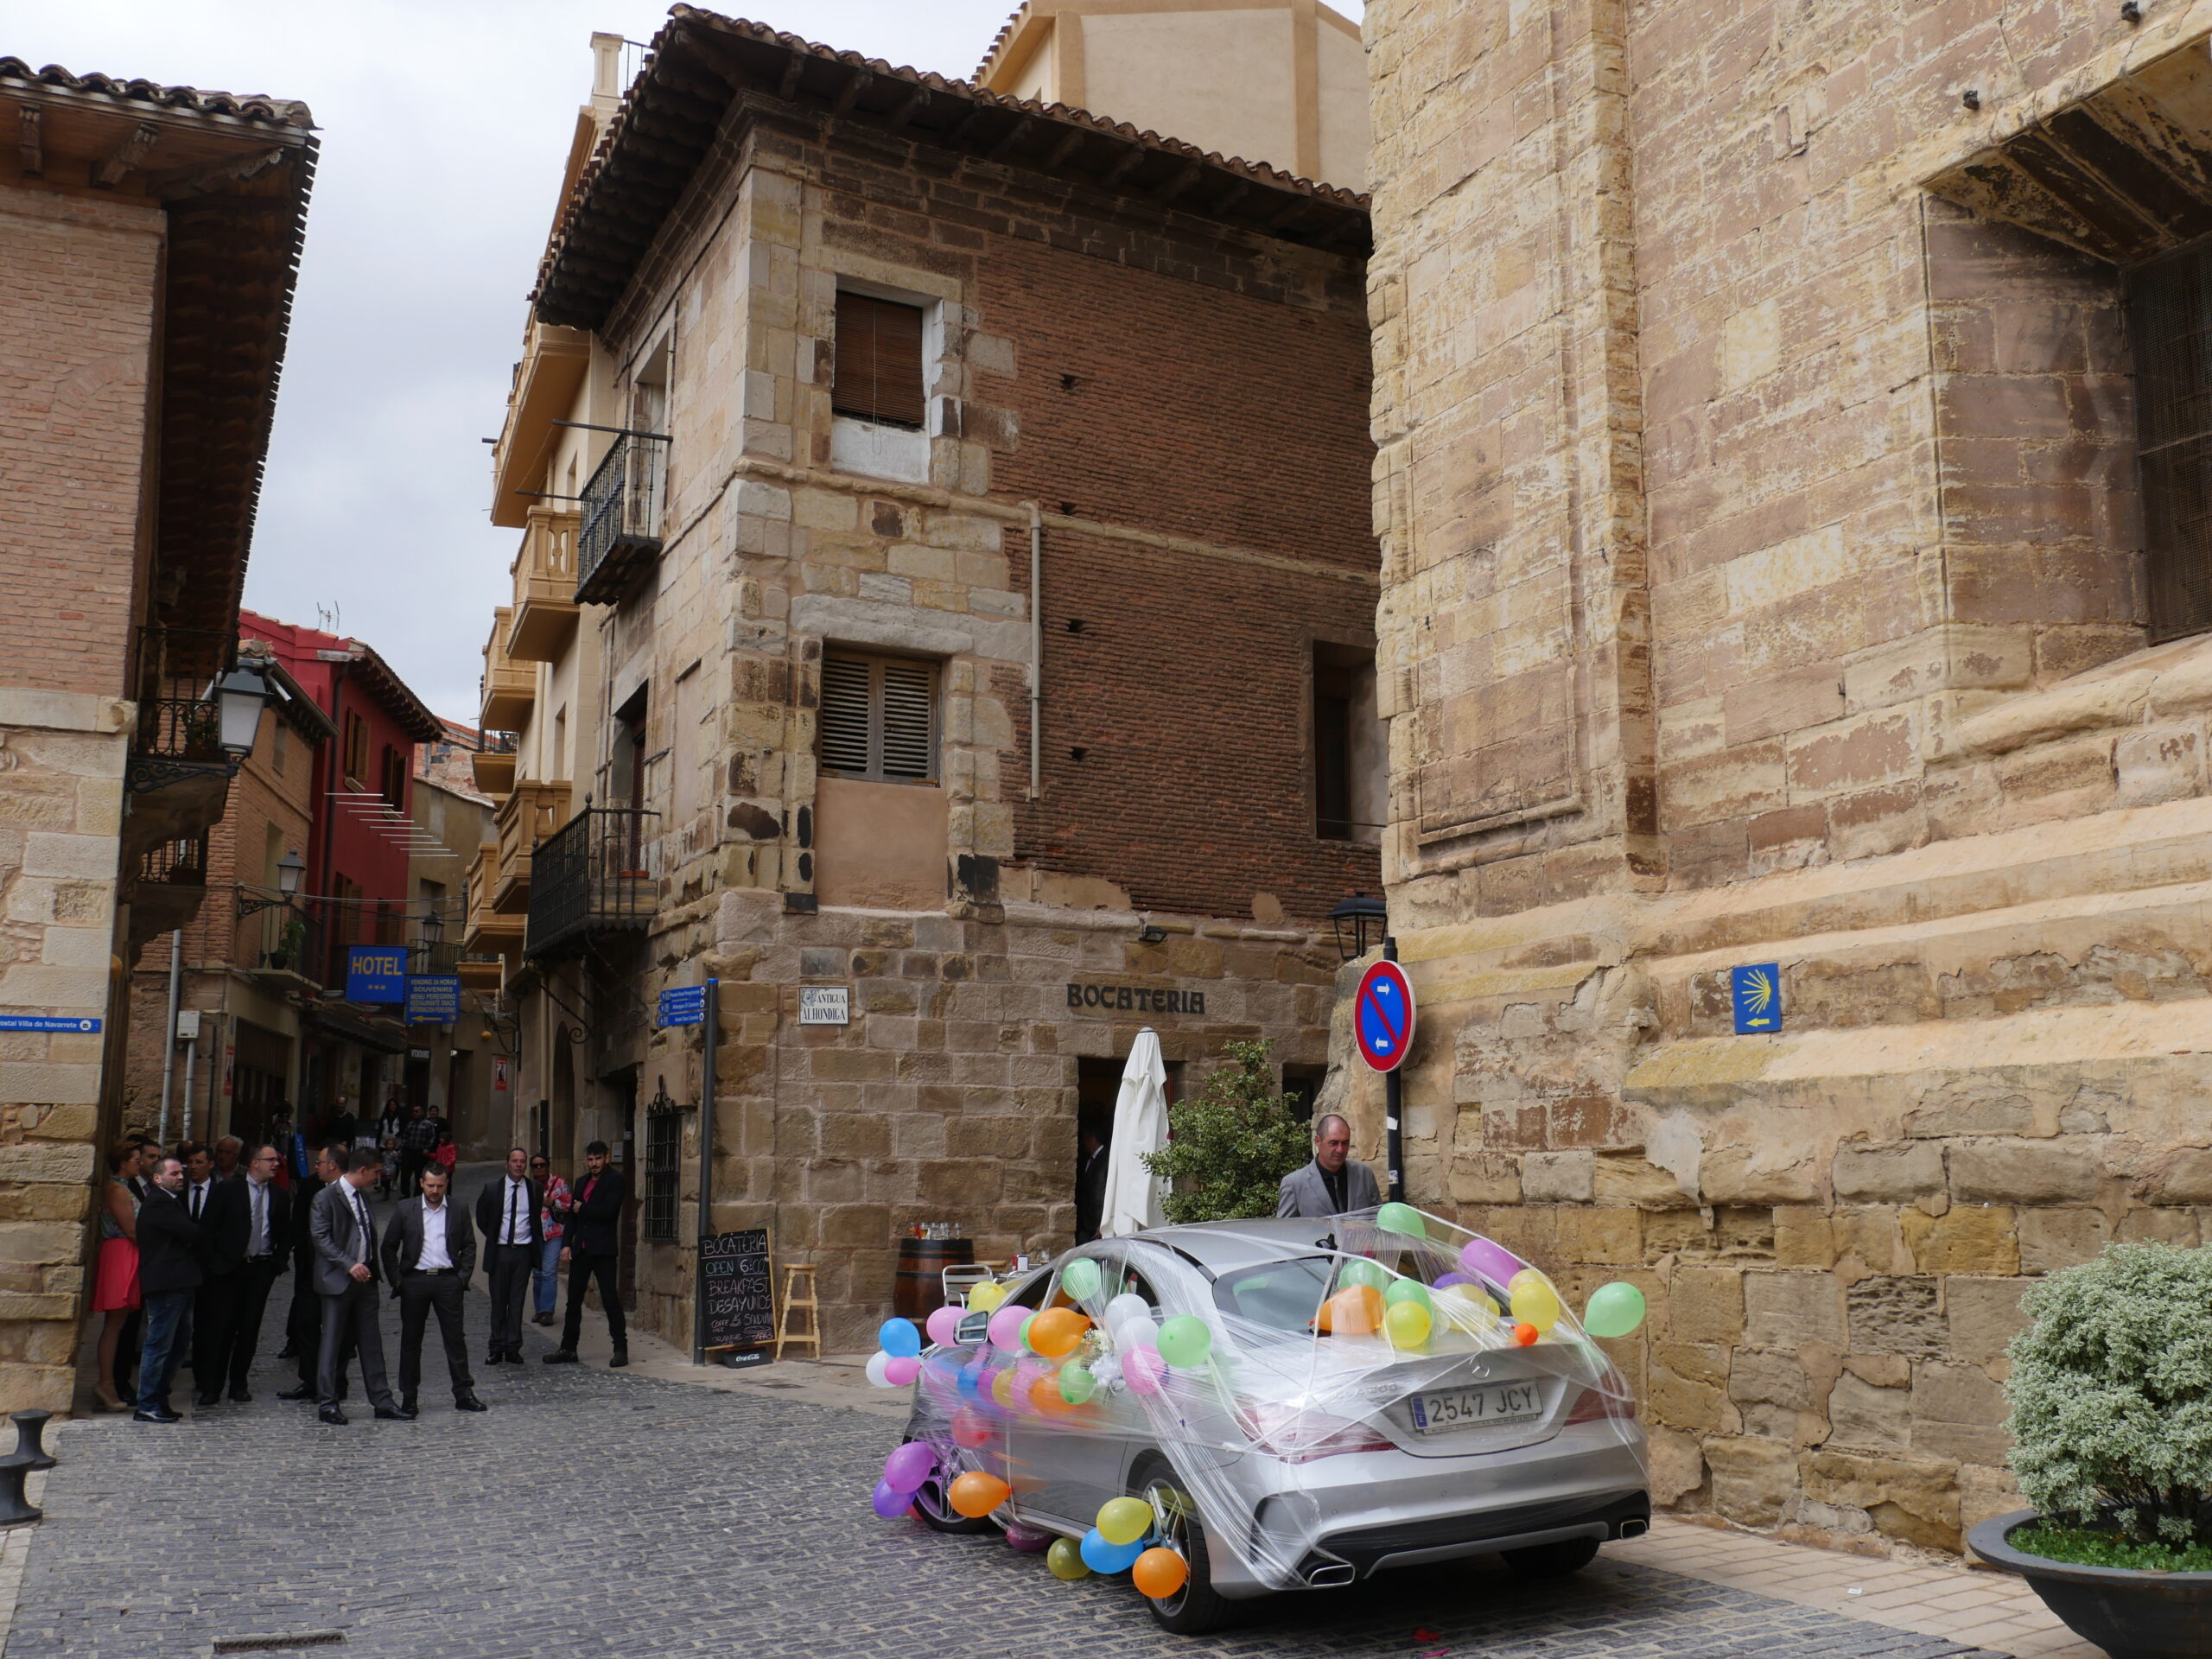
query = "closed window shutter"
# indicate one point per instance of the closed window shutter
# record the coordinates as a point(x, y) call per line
point(844, 714)
point(878, 361)
point(878, 717)
point(909, 708)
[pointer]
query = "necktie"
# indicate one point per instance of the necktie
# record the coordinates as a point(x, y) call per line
point(260, 1246)
point(196, 1192)
point(514, 1209)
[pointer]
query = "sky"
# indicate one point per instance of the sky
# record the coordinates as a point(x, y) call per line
point(444, 124)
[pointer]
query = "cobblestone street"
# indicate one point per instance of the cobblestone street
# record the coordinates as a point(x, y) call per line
point(591, 1512)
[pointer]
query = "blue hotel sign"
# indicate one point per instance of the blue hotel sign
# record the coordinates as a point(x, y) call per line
point(376, 973)
point(433, 998)
point(1756, 992)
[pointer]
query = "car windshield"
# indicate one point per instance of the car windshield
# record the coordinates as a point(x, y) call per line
point(1281, 1295)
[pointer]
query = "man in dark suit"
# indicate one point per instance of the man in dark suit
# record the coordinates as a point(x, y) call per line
point(429, 1255)
point(1090, 1180)
point(303, 1322)
point(592, 1246)
point(168, 1272)
point(506, 1214)
point(243, 1237)
point(346, 1278)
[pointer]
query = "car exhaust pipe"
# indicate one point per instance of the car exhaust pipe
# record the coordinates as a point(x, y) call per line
point(1330, 1575)
point(1633, 1529)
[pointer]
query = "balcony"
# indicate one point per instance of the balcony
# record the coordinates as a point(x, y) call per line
point(172, 881)
point(593, 875)
point(487, 931)
point(534, 811)
point(495, 772)
point(509, 688)
point(286, 943)
point(620, 535)
point(545, 607)
point(481, 971)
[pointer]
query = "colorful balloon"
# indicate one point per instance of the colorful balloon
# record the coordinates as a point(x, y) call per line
point(1401, 1218)
point(1124, 1520)
point(1057, 1332)
point(1102, 1556)
point(1615, 1310)
point(944, 1326)
point(985, 1296)
point(1488, 1261)
point(900, 1373)
point(1356, 1311)
point(970, 1428)
point(976, 1494)
point(1006, 1329)
point(898, 1338)
point(1160, 1573)
point(1027, 1325)
point(1406, 1290)
point(1002, 1388)
point(1065, 1558)
point(908, 1467)
point(1448, 1279)
point(1142, 1369)
point(1029, 1540)
point(1077, 1384)
point(1126, 1305)
point(1533, 1301)
point(1138, 1331)
point(1358, 1271)
point(879, 1368)
point(1184, 1342)
point(1408, 1325)
point(889, 1502)
point(974, 1377)
point(1080, 1280)
point(1525, 1335)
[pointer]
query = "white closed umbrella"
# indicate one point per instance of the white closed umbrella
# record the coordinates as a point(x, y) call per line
point(1134, 1192)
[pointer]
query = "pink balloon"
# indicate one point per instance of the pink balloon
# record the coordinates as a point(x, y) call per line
point(1142, 1367)
point(899, 1372)
point(1006, 1329)
point(904, 1470)
point(1494, 1262)
point(944, 1326)
point(970, 1428)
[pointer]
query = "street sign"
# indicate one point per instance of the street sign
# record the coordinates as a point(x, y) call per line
point(73, 1022)
point(684, 1005)
point(1382, 1016)
point(1757, 993)
point(433, 998)
point(734, 1290)
point(376, 973)
point(825, 1005)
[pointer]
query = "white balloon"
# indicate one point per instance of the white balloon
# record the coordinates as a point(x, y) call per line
point(1127, 1304)
point(1138, 1331)
point(877, 1363)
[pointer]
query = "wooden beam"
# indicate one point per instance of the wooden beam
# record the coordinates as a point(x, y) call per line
point(861, 82)
point(1182, 182)
point(905, 112)
point(1064, 148)
point(1003, 144)
point(197, 181)
point(788, 85)
point(30, 148)
point(1127, 165)
point(126, 157)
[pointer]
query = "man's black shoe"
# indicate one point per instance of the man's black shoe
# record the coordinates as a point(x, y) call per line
point(497, 1357)
point(204, 1401)
point(330, 1415)
point(469, 1402)
point(622, 1359)
point(396, 1414)
point(562, 1357)
point(156, 1417)
point(541, 1318)
point(305, 1391)
point(407, 1402)
point(243, 1396)
point(288, 1351)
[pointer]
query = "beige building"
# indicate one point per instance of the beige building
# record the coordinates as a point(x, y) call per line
point(1789, 479)
point(1279, 81)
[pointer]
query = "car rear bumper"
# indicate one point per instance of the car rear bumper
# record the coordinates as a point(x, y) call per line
point(1488, 1532)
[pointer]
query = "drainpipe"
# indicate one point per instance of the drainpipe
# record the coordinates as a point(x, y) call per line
point(191, 1053)
point(168, 1040)
point(1036, 646)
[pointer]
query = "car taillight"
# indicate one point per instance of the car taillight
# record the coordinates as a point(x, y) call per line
point(1595, 1405)
point(1296, 1434)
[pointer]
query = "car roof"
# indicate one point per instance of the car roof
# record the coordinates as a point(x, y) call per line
point(1223, 1246)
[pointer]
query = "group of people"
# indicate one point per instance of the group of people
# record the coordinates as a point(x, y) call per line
point(194, 1238)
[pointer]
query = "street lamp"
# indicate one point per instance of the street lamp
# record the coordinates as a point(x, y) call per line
point(289, 869)
point(1358, 914)
point(434, 927)
point(239, 697)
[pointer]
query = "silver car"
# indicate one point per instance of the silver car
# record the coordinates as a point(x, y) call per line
point(1304, 1460)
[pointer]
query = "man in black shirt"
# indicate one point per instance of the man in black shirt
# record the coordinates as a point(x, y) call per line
point(1331, 1185)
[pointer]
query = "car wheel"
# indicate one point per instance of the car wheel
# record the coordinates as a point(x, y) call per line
point(936, 1510)
point(1540, 1561)
point(1197, 1608)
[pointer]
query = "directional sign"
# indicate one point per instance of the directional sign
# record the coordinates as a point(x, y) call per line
point(376, 973)
point(1382, 1016)
point(1756, 992)
point(48, 1022)
point(685, 1005)
point(433, 998)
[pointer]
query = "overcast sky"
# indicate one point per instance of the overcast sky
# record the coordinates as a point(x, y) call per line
point(444, 124)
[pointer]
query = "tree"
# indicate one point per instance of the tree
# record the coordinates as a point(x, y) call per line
point(1231, 1145)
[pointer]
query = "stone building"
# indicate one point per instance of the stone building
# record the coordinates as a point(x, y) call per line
point(878, 351)
point(1788, 475)
point(150, 238)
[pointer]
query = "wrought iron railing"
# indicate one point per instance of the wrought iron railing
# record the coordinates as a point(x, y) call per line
point(179, 863)
point(592, 874)
point(664, 1149)
point(279, 938)
point(173, 673)
point(622, 506)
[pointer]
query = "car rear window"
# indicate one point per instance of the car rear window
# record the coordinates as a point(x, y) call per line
point(1281, 1295)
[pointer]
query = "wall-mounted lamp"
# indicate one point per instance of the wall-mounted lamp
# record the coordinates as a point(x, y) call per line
point(1353, 919)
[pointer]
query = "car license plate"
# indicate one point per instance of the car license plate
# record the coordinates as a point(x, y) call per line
point(1498, 1402)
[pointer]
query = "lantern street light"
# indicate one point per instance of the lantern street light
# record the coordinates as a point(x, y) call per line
point(239, 697)
point(289, 869)
point(1353, 919)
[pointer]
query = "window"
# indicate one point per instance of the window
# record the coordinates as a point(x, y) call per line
point(1349, 747)
point(876, 372)
point(2170, 316)
point(664, 1145)
point(356, 747)
point(879, 717)
point(1301, 1087)
point(394, 785)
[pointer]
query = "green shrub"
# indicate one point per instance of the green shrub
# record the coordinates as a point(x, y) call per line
point(1231, 1143)
point(2111, 1390)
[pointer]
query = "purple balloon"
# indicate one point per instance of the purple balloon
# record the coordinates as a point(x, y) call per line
point(1030, 1541)
point(1449, 1280)
point(904, 1470)
point(944, 1326)
point(889, 1502)
point(1493, 1262)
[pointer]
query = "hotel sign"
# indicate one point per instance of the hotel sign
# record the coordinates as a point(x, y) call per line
point(1135, 999)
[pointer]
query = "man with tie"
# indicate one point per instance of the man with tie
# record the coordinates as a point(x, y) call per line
point(346, 1278)
point(429, 1255)
point(199, 1176)
point(506, 1214)
point(243, 1237)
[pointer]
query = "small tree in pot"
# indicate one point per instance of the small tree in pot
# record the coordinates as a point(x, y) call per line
point(1231, 1144)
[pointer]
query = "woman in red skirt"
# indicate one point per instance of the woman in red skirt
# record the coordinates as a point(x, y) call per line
point(115, 1286)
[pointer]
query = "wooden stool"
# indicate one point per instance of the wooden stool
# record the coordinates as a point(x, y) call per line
point(799, 1278)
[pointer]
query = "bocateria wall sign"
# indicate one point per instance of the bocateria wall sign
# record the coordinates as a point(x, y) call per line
point(1135, 999)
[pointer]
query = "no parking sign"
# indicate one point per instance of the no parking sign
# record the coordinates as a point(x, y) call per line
point(1382, 1016)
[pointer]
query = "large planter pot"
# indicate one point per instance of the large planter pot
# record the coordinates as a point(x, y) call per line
point(2130, 1614)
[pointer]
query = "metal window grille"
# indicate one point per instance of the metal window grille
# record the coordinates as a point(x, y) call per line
point(2170, 315)
point(664, 1147)
point(878, 717)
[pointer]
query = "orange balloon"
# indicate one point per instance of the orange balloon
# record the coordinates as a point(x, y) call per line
point(1526, 1335)
point(1058, 1332)
point(976, 1494)
point(1160, 1573)
point(1355, 1310)
point(1045, 1396)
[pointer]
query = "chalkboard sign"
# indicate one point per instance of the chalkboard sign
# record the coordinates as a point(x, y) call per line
point(734, 1283)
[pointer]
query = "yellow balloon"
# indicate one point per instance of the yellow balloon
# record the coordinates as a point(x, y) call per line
point(1002, 1389)
point(985, 1296)
point(1408, 1324)
point(1124, 1520)
point(1534, 1303)
point(1475, 1297)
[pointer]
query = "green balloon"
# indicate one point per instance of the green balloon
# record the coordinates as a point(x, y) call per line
point(1401, 1218)
point(1080, 1282)
point(1360, 1271)
point(1024, 1338)
point(1184, 1342)
point(1076, 1382)
point(1408, 1290)
point(1615, 1310)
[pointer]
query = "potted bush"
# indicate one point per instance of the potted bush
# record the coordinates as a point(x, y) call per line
point(1230, 1146)
point(2111, 1390)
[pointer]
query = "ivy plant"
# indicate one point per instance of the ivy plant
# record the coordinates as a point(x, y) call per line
point(1230, 1144)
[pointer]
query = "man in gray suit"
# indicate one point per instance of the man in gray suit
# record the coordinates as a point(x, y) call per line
point(1331, 1185)
point(430, 1253)
point(345, 1268)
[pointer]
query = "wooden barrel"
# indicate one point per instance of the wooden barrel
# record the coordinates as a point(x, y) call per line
point(918, 1291)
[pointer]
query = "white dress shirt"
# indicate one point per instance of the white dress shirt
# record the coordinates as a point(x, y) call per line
point(360, 1222)
point(256, 1242)
point(435, 1254)
point(196, 1196)
point(516, 1217)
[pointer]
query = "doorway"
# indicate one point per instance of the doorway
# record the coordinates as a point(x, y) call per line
point(622, 1100)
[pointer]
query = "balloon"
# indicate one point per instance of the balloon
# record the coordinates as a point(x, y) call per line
point(1184, 1342)
point(1023, 1335)
point(1356, 1311)
point(1077, 1384)
point(1043, 1397)
point(972, 1376)
point(1065, 1559)
point(889, 1502)
point(1407, 1325)
point(944, 1326)
point(1138, 1331)
point(1534, 1301)
point(976, 1494)
point(1526, 1335)
point(970, 1428)
point(1360, 1271)
point(898, 1338)
point(1449, 1280)
point(1101, 1556)
point(1408, 1290)
point(1124, 1520)
point(1002, 1388)
point(906, 1469)
point(1142, 1367)
point(1126, 1305)
point(1401, 1218)
point(1006, 1329)
point(899, 1373)
point(1030, 1541)
point(985, 1297)
point(1488, 1261)
point(1615, 1310)
point(1080, 1280)
point(879, 1370)
point(1160, 1573)
point(1057, 1332)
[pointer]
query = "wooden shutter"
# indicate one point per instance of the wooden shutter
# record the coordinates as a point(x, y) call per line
point(844, 714)
point(878, 361)
point(908, 746)
point(878, 717)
